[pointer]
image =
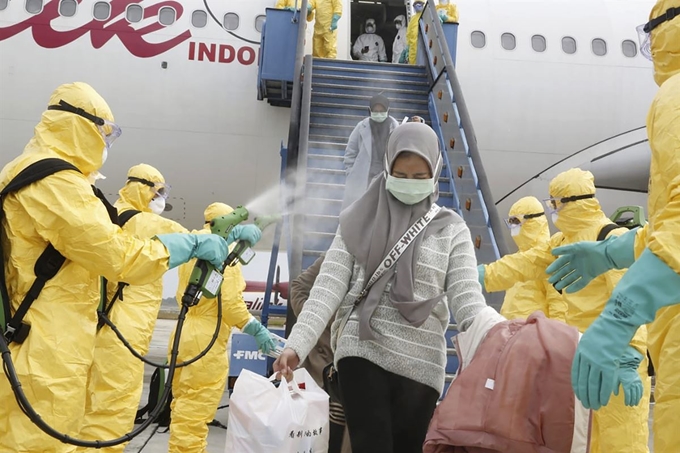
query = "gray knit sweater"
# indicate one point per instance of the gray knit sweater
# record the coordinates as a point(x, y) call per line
point(446, 264)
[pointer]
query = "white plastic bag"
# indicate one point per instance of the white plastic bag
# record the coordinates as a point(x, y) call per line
point(287, 419)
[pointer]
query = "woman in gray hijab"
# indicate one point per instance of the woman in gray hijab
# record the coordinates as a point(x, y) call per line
point(389, 348)
point(366, 148)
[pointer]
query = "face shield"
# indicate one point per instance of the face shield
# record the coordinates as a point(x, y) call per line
point(418, 7)
point(370, 26)
point(160, 189)
point(109, 131)
point(645, 30)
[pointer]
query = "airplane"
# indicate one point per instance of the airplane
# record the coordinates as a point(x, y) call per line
point(542, 79)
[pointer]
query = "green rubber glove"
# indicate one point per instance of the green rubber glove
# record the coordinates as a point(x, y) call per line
point(629, 379)
point(403, 58)
point(265, 342)
point(290, 8)
point(183, 247)
point(646, 287)
point(250, 233)
point(309, 8)
point(578, 264)
point(482, 271)
point(334, 22)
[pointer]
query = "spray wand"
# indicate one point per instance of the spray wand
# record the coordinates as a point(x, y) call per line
point(242, 251)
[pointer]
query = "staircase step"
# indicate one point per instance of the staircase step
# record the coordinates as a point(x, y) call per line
point(321, 223)
point(366, 73)
point(399, 94)
point(325, 151)
point(350, 101)
point(326, 176)
point(367, 65)
point(317, 241)
point(371, 80)
point(329, 139)
point(325, 190)
point(323, 206)
point(325, 161)
point(354, 109)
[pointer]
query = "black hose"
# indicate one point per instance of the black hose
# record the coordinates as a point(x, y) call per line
point(120, 336)
point(27, 409)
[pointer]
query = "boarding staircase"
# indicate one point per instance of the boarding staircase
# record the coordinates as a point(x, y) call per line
point(332, 96)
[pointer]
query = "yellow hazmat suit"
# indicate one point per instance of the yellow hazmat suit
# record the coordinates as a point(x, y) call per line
point(283, 4)
point(198, 388)
point(449, 10)
point(61, 210)
point(661, 234)
point(524, 298)
point(412, 37)
point(616, 428)
point(325, 44)
point(116, 377)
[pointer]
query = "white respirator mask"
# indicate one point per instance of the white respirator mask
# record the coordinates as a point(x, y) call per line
point(157, 205)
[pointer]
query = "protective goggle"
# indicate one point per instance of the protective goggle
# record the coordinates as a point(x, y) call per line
point(557, 203)
point(161, 189)
point(516, 221)
point(397, 22)
point(109, 131)
point(645, 30)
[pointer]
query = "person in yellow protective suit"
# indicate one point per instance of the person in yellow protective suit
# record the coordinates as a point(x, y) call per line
point(61, 209)
point(649, 289)
point(579, 217)
point(529, 228)
point(198, 388)
point(328, 13)
point(288, 4)
point(412, 31)
point(116, 377)
point(447, 11)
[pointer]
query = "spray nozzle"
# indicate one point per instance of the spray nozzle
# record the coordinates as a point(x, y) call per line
point(264, 221)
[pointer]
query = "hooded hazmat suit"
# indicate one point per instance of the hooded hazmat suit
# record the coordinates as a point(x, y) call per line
point(399, 43)
point(328, 12)
point(412, 35)
point(447, 11)
point(61, 210)
point(198, 388)
point(615, 426)
point(661, 235)
point(116, 377)
point(369, 46)
point(524, 298)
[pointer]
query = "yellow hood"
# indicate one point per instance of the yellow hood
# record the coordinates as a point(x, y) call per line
point(215, 210)
point(580, 215)
point(136, 195)
point(533, 230)
point(665, 42)
point(70, 136)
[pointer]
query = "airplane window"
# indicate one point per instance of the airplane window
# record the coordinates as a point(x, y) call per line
point(67, 8)
point(629, 48)
point(3, 4)
point(167, 15)
point(199, 19)
point(34, 6)
point(259, 22)
point(478, 39)
point(599, 47)
point(538, 43)
point(569, 45)
point(508, 41)
point(134, 13)
point(231, 21)
point(102, 10)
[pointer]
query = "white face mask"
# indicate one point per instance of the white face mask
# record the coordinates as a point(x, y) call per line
point(409, 191)
point(515, 230)
point(370, 29)
point(105, 155)
point(397, 25)
point(157, 205)
point(554, 217)
point(378, 117)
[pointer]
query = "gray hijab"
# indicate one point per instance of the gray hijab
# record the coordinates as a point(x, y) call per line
point(377, 220)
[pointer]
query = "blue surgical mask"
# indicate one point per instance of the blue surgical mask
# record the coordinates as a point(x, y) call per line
point(409, 191)
point(418, 7)
point(378, 117)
